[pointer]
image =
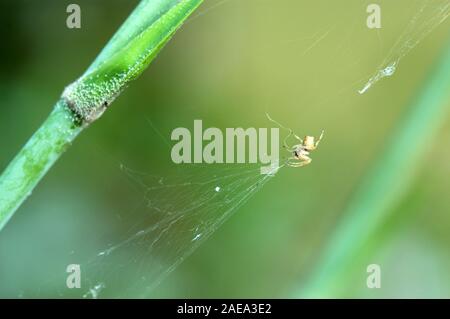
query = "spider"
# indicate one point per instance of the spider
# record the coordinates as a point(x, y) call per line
point(301, 151)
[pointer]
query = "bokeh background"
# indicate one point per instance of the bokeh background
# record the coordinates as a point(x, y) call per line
point(301, 61)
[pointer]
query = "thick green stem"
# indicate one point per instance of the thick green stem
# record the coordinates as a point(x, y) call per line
point(125, 57)
point(35, 159)
point(385, 185)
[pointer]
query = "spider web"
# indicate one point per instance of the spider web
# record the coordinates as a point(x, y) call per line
point(181, 213)
point(176, 214)
point(174, 217)
point(429, 15)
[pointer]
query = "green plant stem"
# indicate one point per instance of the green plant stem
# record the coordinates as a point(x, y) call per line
point(35, 159)
point(385, 185)
point(124, 58)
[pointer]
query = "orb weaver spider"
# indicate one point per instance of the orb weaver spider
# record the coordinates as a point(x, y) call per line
point(301, 151)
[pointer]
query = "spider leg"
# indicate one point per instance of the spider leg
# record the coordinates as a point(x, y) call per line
point(295, 162)
point(320, 138)
point(285, 144)
point(298, 138)
point(292, 161)
point(291, 132)
point(292, 149)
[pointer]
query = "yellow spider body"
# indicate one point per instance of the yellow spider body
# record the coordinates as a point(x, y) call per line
point(300, 152)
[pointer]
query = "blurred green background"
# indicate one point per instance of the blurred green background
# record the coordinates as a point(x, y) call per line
point(303, 62)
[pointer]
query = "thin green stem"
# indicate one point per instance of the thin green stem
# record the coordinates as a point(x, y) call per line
point(125, 57)
point(385, 185)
